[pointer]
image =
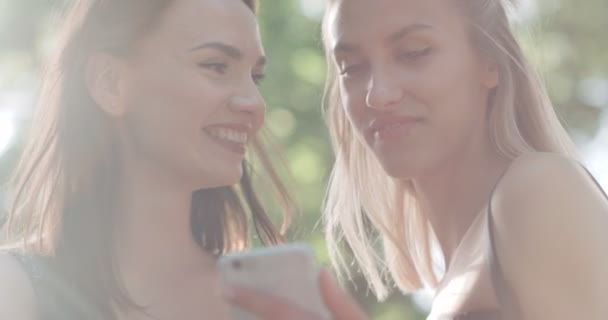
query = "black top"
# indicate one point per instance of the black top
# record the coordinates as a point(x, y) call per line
point(55, 298)
point(508, 307)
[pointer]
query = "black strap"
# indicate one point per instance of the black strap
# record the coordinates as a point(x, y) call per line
point(55, 298)
point(504, 293)
point(32, 268)
point(599, 186)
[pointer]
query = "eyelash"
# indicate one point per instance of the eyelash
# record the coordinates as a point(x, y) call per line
point(215, 66)
point(257, 78)
point(409, 55)
point(415, 54)
point(350, 69)
point(221, 69)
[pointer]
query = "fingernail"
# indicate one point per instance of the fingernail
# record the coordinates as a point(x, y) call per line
point(326, 271)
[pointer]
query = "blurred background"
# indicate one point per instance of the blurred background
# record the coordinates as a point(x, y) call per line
point(566, 39)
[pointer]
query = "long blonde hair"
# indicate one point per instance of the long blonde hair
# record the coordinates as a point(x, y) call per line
point(373, 213)
point(64, 186)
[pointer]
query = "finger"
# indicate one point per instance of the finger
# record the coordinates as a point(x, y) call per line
point(341, 305)
point(265, 306)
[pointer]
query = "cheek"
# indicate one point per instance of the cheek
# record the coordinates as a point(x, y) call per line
point(452, 94)
point(174, 89)
point(180, 100)
point(353, 101)
point(439, 79)
point(355, 116)
point(165, 111)
point(157, 124)
point(451, 83)
point(166, 117)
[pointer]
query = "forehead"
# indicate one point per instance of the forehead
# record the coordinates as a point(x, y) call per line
point(373, 20)
point(193, 21)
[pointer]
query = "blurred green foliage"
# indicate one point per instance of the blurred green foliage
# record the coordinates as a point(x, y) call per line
point(566, 39)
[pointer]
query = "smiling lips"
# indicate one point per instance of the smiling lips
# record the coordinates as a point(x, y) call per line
point(392, 128)
point(233, 137)
point(229, 134)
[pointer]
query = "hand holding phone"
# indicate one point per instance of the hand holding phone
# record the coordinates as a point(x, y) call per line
point(287, 272)
point(320, 298)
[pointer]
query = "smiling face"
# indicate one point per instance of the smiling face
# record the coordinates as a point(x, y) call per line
point(413, 87)
point(191, 95)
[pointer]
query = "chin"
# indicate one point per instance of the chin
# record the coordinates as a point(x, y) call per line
point(396, 173)
point(219, 179)
point(402, 170)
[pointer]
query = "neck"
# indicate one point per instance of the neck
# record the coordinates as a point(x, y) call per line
point(153, 237)
point(455, 192)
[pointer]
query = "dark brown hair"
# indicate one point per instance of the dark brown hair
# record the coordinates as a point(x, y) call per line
point(64, 185)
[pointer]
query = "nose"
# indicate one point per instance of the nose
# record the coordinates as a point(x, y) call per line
point(383, 91)
point(248, 99)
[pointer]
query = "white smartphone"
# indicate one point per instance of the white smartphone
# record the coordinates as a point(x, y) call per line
point(286, 271)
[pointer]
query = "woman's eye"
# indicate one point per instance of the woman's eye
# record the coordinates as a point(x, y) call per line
point(217, 67)
point(258, 77)
point(350, 70)
point(414, 54)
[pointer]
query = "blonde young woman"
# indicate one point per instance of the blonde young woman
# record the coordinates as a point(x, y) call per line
point(135, 177)
point(444, 135)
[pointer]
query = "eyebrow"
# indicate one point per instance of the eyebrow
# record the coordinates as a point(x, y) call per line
point(396, 36)
point(407, 30)
point(229, 50)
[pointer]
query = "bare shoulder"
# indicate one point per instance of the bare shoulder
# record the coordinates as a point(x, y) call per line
point(540, 186)
point(550, 220)
point(542, 169)
point(17, 300)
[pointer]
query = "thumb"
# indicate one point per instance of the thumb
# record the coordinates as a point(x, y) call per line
point(340, 304)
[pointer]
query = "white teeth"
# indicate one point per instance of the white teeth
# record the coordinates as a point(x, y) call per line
point(229, 135)
point(390, 126)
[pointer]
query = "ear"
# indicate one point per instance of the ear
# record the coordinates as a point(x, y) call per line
point(105, 79)
point(490, 74)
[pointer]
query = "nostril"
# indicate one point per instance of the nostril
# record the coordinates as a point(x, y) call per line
point(383, 97)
